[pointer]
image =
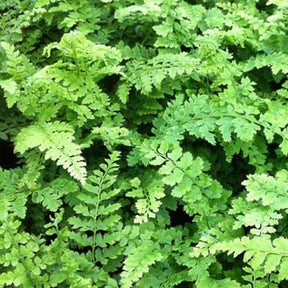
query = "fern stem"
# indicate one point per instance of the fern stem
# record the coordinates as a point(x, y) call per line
point(95, 225)
point(219, 116)
point(263, 125)
point(96, 215)
point(76, 59)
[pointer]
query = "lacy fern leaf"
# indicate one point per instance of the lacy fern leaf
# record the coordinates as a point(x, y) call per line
point(55, 139)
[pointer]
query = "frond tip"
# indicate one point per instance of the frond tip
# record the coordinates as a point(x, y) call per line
point(55, 139)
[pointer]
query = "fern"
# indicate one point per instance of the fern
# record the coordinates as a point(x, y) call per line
point(193, 96)
point(56, 140)
point(264, 203)
point(100, 216)
point(19, 67)
point(46, 84)
point(148, 193)
point(260, 211)
point(14, 197)
point(261, 253)
point(144, 252)
point(134, 270)
point(145, 76)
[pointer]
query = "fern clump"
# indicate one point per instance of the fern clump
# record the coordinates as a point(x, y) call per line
point(149, 143)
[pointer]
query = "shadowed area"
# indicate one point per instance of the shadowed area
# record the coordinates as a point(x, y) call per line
point(8, 160)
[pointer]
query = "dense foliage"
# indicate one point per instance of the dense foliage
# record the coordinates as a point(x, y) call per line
point(151, 139)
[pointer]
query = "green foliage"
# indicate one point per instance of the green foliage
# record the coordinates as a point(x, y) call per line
point(56, 140)
point(151, 140)
point(96, 212)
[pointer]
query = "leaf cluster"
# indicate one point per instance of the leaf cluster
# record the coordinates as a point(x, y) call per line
point(152, 143)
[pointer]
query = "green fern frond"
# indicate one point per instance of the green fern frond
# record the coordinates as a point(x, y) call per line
point(260, 253)
point(146, 75)
point(97, 215)
point(55, 139)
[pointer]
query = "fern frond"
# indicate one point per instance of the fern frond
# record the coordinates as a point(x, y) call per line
point(148, 74)
point(139, 261)
point(264, 204)
point(18, 67)
point(260, 253)
point(97, 221)
point(11, 194)
point(148, 193)
point(55, 139)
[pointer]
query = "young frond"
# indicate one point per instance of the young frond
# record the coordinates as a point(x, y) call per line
point(56, 140)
